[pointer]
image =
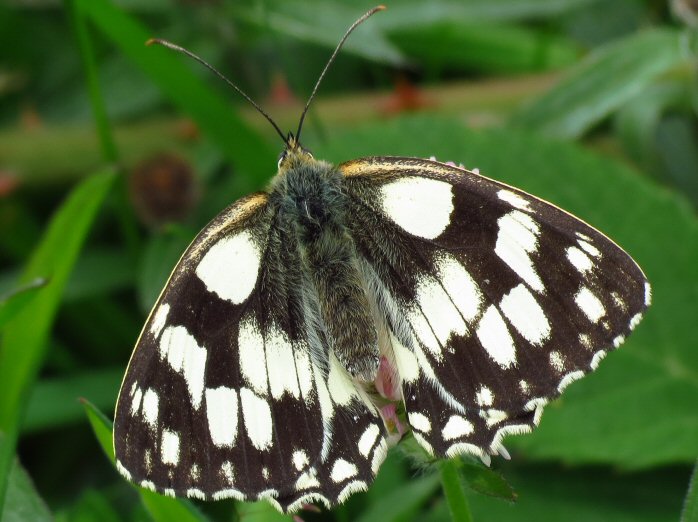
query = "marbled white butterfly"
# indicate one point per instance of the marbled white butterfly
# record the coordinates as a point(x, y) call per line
point(255, 374)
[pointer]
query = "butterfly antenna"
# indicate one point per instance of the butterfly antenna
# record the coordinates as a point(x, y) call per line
point(329, 62)
point(175, 47)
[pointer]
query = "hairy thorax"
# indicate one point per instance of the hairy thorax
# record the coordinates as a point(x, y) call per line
point(311, 205)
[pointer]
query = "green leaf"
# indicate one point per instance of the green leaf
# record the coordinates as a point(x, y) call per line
point(92, 506)
point(161, 508)
point(298, 19)
point(391, 476)
point(414, 13)
point(102, 428)
point(100, 271)
point(23, 501)
point(261, 512)
point(484, 47)
point(690, 505)
point(54, 402)
point(676, 146)
point(457, 501)
point(99, 110)
point(402, 503)
point(606, 416)
point(487, 481)
point(24, 338)
point(635, 123)
point(212, 112)
point(603, 82)
point(13, 302)
point(166, 509)
point(551, 494)
point(159, 258)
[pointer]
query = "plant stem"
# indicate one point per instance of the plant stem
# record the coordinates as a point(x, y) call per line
point(127, 223)
point(87, 55)
point(453, 490)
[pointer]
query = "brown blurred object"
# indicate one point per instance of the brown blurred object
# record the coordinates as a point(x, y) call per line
point(29, 118)
point(163, 189)
point(187, 130)
point(280, 93)
point(406, 97)
point(686, 11)
point(8, 182)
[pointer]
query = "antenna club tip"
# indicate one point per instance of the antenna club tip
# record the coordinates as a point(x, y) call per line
point(381, 7)
point(152, 41)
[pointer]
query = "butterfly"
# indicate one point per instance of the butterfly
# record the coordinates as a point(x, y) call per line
point(255, 375)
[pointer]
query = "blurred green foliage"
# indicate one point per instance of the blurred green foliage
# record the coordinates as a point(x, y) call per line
point(590, 104)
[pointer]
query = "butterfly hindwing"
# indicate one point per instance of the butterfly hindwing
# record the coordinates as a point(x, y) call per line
point(495, 299)
point(231, 391)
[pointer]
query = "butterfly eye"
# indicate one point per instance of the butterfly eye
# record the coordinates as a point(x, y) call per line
point(282, 157)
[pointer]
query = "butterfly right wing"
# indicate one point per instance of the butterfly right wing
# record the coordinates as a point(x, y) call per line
point(227, 393)
point(495, 300)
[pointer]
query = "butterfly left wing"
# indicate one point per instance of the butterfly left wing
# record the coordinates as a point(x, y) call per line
point(494, 300)
point(230, 391)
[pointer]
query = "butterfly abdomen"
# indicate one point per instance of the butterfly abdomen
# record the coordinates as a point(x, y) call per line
point(311, 207)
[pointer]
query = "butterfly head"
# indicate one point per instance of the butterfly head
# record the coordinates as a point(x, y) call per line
point(293, 155)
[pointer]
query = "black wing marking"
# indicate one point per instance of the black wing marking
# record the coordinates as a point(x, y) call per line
point(224, 395)
point(496, 300)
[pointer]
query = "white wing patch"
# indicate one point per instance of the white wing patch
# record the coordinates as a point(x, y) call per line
point(460, 286)
point(589, 248)
point(343, 470)
point(441, 318)
point(513, 199)
point(230, 267)
point(484, 396)
point(257, 419)
point(304, 372)
point(136, 400)
point(253, 364)
point(306, 481)
point(340, 387)
point(579, 260)
point(280, 363)
point(169, 449)
point(526, 315)
point(368, 439)
point(185, 356)
point(589, 304)
point(228, 471)
point(495, 338)
point(405, 360)
point(300, 459)
point(419, 421)
point(420, 206)
point(517, 239)
point(326, 407)
point(557, 361)
point(457, 427)
point(159, 320)
point(222, 415)
point(150, 408)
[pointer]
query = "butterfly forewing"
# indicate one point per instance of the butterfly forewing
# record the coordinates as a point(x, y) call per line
point(228, 394)
point(496, 300)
